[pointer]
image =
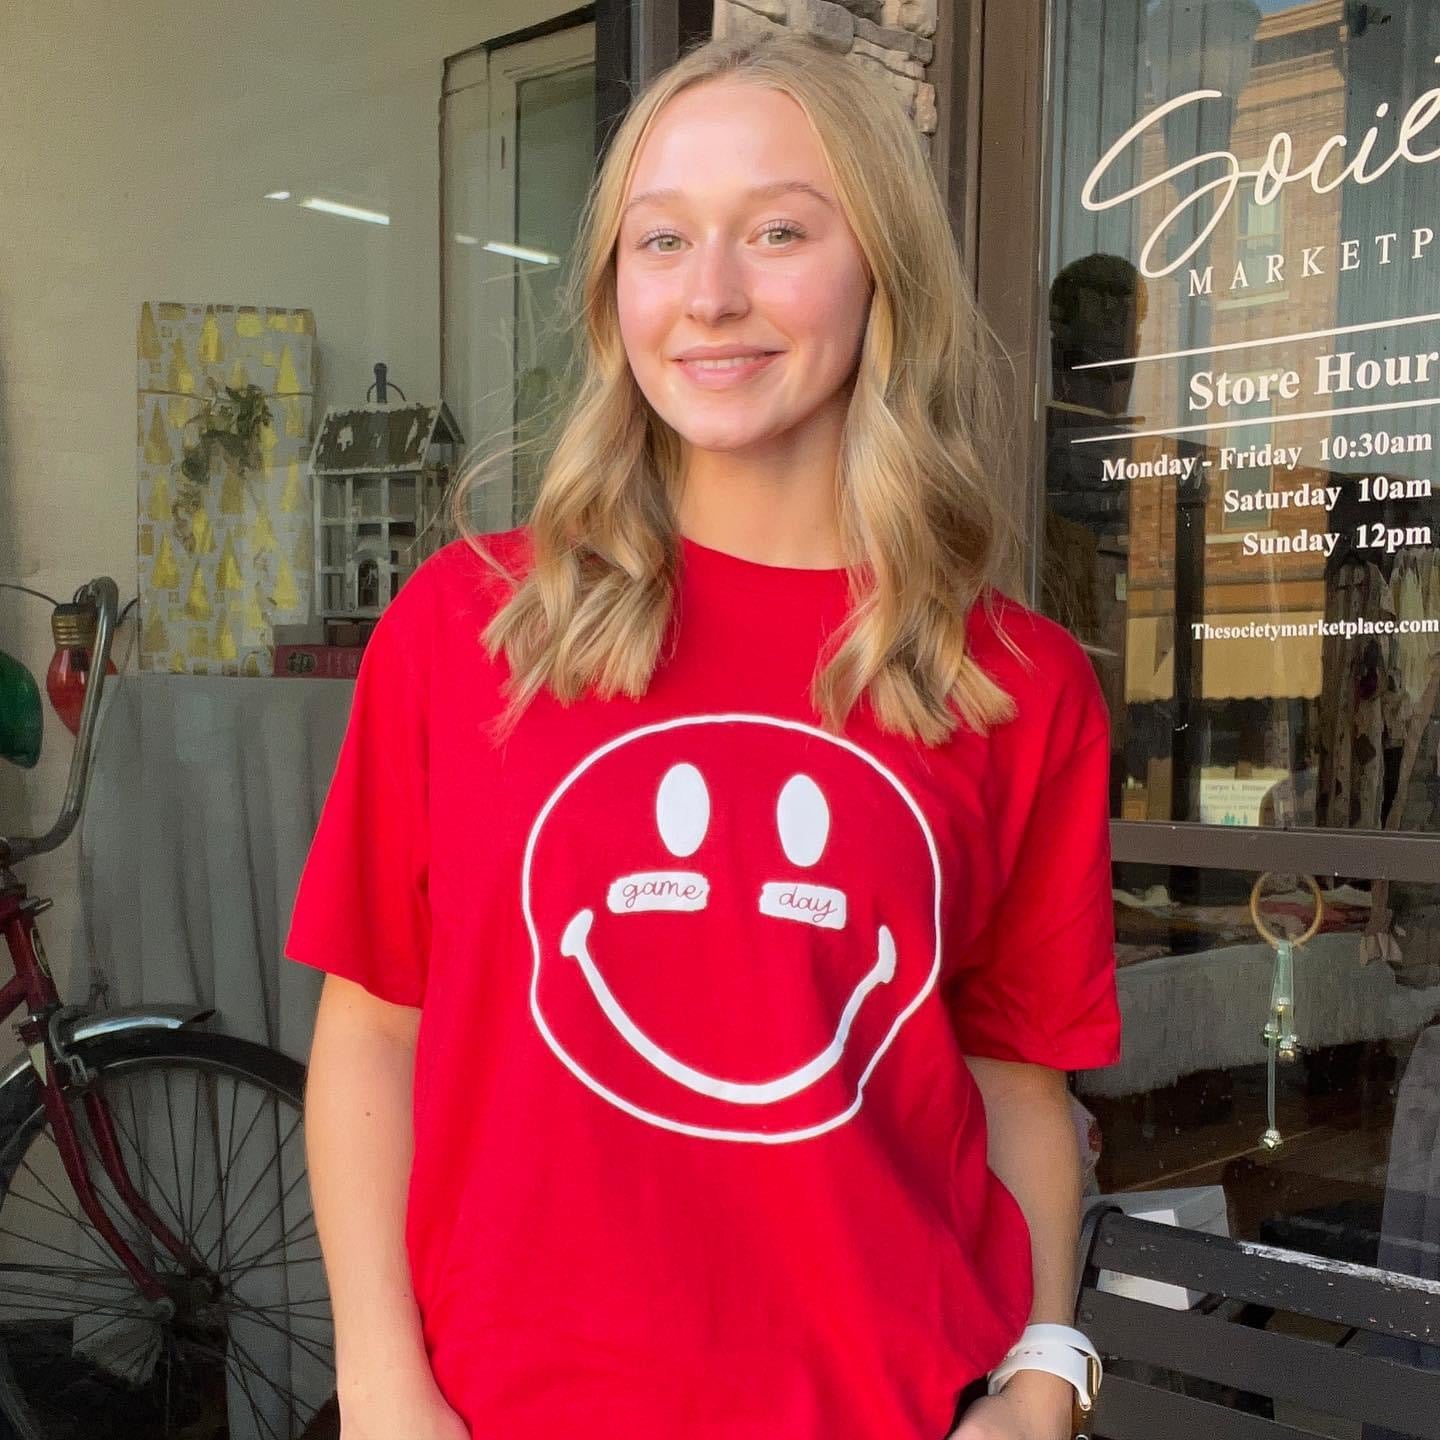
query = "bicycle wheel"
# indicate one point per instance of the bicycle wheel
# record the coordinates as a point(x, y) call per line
point(209, 1128)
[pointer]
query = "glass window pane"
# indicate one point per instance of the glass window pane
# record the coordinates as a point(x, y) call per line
point(1243, 393)
point(518, 157)
point(1356, 1175)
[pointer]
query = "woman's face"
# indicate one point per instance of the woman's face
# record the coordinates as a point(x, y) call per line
point(733, 244)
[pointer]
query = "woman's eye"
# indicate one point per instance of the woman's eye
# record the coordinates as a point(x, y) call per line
point(788, 231)
point(785, 230)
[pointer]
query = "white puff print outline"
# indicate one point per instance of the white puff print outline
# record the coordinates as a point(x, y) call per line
point(650, 1116)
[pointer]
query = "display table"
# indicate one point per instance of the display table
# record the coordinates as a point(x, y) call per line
point(204, 796)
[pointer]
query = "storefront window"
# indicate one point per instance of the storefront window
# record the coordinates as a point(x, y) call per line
point(1244, 382)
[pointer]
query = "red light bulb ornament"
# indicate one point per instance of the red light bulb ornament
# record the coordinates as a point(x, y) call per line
point(74, 627)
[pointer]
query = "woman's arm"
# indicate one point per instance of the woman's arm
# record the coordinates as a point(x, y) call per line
point(1032, 1150)
point(359, 1142)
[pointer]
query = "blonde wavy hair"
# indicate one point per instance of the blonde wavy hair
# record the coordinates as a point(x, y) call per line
point(925, 532)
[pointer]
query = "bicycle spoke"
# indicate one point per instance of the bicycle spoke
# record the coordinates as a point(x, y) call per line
point(238, 1305)
point(323, 1316)
point(83, 1222)
point(35, 1273)
point(132, 1153)
point(116, 1318)
point(139, 1154)
point(287, 1395)
point(39, 1244)
point(222, 1189)
point(206, 1146)
point(304, 1345)
point(259, 1262)
point(303, 1232)
point(61, 1272)
point(210, 1254)
point(293, 1403)
point(279, 1204)
point(255, 1410)
point(40, 1205)
point(226, 1213)
point(35, 1302)
point(52, 1304)
point(195, 1159)
point(174, 1144)
point(282, 1263)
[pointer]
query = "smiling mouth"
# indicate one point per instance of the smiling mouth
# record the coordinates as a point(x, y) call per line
point(575, 945)
point(719, 374)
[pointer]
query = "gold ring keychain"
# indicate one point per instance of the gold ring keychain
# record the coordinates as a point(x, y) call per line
point(1281, 1041)
point(1266, 933)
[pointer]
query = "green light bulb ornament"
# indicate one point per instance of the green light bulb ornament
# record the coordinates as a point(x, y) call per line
point(21, 717)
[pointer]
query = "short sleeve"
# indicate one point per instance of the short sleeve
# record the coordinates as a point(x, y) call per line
point(361, 911)
point(1037, 985)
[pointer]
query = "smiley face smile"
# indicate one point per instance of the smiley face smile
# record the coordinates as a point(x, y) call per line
point(575, 943)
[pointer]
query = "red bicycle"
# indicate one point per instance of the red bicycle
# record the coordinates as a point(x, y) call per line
point(160, 1273)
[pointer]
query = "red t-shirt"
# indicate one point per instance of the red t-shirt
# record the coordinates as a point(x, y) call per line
point(696, 1150)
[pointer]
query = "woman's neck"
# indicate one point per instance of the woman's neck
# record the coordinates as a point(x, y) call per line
point(776, 510)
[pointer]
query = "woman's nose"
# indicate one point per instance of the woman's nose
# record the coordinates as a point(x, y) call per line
point(715, 285)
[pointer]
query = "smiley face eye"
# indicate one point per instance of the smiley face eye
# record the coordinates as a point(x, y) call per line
point(682, 809)
point(802, 817)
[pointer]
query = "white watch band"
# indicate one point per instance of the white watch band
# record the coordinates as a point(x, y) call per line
point(1058, 1350)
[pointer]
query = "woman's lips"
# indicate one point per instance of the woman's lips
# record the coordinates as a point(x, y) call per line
point(724, 377)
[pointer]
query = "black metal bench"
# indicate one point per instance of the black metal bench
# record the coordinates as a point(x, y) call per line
point(1318, 1340)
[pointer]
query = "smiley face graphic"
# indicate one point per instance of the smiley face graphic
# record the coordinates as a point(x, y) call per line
point(731, 918)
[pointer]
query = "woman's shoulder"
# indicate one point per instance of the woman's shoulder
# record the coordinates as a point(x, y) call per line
point(463, 582)
point(478, 562)
point(1042, 667)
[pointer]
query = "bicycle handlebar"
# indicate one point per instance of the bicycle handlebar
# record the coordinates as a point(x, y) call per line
point(106, 597)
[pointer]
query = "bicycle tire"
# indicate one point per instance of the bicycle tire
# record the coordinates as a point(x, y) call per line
point(61, 1376)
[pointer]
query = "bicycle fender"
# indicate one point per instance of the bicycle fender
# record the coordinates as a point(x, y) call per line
point(104, 1023)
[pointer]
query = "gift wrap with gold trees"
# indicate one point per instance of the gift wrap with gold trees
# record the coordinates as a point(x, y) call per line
point(225, 526)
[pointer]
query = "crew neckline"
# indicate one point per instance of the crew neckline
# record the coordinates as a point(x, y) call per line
point(755, 574)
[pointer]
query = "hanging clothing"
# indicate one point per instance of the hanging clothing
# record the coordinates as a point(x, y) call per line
point(1357, 680)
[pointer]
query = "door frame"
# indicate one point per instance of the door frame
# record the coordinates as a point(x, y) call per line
point(996, 129)
point(494, 72)
point(634, 41)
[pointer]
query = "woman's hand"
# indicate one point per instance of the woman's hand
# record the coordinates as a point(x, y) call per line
point(1034, 1405)
point(415, 1414)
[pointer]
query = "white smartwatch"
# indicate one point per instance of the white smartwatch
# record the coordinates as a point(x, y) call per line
point(1057, 1350)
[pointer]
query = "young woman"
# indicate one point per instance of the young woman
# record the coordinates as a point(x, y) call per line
point(714, 884)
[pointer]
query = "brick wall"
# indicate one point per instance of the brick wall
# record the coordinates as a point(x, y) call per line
point(890, 37)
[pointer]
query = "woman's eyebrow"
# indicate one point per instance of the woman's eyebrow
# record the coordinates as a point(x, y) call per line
point(758, 192)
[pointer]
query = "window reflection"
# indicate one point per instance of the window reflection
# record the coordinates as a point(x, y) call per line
point(1245, 382)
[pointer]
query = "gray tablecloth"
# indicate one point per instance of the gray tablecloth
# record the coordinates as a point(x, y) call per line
point(203, 800)
point(205, 794)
